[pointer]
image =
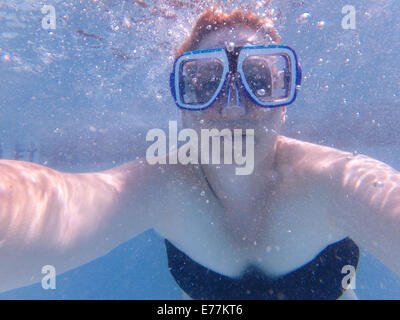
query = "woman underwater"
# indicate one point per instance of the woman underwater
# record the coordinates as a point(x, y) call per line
point(283, 232)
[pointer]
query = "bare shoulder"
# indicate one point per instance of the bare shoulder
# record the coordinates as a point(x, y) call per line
point(305, 160)
point(67, 219)
point(17, 177)
point(291, 150)
point(362, 193)
point(7, 167)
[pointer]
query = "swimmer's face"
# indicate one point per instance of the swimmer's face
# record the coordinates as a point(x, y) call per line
point(266, 122)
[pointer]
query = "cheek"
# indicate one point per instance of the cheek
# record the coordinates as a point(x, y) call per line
point(211, 113)
point(256, 113)
point(198, 120)
point(260, 114)
point(269, 116)
point(202, 117)
point(189, 118)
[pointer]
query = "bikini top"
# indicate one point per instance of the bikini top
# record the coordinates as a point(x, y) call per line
point(319, 279)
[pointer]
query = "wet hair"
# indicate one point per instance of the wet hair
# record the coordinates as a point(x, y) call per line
point(213, 19)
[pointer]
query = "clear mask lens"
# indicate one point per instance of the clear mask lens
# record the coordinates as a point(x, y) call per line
point(200, 79)
point(268, 76)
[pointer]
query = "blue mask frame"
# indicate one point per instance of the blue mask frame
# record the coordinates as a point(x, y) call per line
point(232, 62)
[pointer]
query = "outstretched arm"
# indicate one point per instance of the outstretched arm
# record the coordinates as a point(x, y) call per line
point(367, 205)
point(65, 220)
point(363, 195)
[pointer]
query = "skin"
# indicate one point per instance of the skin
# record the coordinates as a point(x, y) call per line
point(301, 198)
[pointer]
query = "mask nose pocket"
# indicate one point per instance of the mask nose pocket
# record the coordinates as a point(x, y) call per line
point(233, 107)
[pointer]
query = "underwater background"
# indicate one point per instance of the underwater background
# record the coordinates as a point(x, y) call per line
point(82, 96)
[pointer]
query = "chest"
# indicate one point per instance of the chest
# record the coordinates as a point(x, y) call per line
point(277, 236)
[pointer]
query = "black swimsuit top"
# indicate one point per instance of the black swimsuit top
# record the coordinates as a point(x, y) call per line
point(320, 279)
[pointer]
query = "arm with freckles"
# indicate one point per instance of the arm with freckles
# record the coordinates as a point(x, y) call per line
point(363, 195)
point(65, 220)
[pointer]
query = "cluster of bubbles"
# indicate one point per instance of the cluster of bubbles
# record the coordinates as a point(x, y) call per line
point(154, 26)
point(119, 53)
point(126, 41)
point(104, 59)
point(130, 34)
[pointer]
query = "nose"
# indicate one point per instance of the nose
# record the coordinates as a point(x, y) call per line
point(233, 109)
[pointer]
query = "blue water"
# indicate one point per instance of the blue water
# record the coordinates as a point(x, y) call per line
point(135, 270)
point(138, 270)
point(85, 102)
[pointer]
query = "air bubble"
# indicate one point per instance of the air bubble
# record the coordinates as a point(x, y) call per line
point(320, 25)
point(261, 92)
point(378, 184)
point(6, 57)
point(230, 46)
point(303, 18)
point(126, 23)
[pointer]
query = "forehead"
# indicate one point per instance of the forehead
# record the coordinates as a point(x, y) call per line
point(240, 35)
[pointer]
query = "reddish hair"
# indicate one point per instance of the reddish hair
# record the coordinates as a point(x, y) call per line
point(216, 19)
